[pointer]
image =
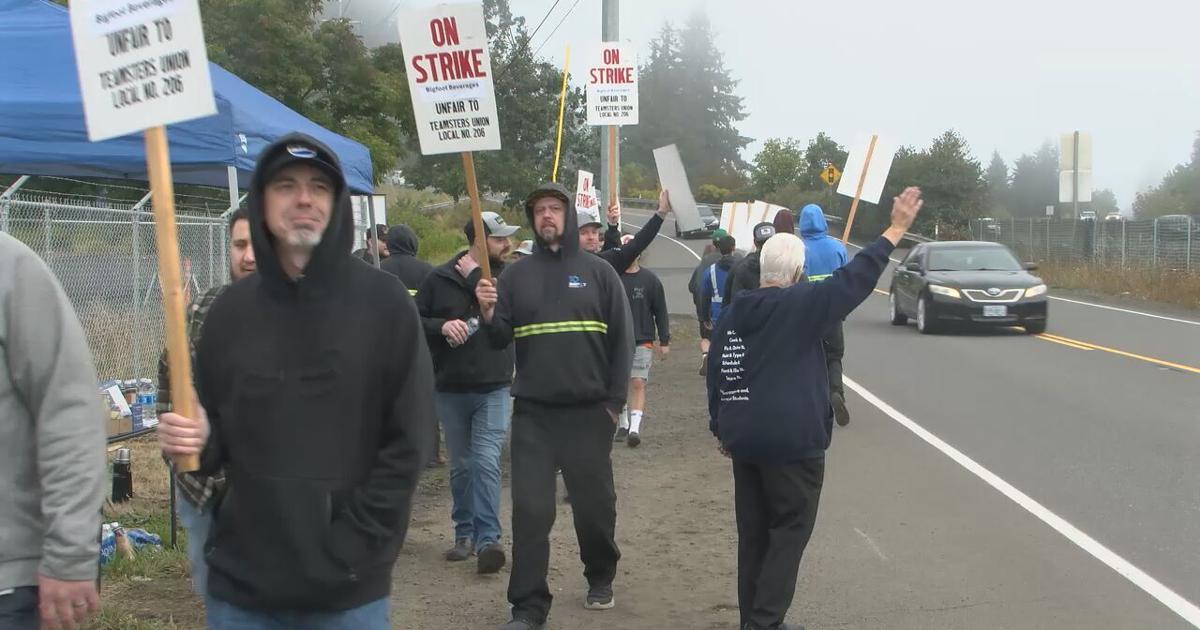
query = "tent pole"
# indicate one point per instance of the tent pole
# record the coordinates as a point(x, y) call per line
point(4, 203)
point(231, 171)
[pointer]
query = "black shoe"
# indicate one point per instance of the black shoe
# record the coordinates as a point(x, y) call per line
point(839, 409)
point(491, 558)
point(600, 598)
point(783, 626)
point(461, 551)
point(633, 440)
point(620, 434)
point(521, 624)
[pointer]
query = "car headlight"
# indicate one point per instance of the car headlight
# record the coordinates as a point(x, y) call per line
point(946, 291)
point(1035, 291)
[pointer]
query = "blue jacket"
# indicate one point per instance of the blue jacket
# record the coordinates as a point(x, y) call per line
point(823, 254)
point(768, 387)
point(711, 295)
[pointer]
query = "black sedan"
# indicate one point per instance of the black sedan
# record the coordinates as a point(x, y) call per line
point(967, 283)
point(709, 222)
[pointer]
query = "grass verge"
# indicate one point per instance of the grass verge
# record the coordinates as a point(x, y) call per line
point(1167, 287)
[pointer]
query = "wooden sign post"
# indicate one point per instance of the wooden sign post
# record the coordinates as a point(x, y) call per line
point(454, 101)
point(866, 167)
point(110, 36)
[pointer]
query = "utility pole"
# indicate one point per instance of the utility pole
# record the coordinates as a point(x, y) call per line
point(609, 32)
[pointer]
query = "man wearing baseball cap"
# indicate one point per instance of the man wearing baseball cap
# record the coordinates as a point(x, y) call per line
point(744, 276)
point(591, 239)
point(473, 380)
point(711, 255)
point(318, 388)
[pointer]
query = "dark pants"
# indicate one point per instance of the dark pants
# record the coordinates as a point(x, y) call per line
point(776, 509)
point(835, 349)
point(19, 609)
point(579, 441)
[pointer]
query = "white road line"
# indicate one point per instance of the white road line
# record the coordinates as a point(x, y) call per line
point(661, 235)
point(874, 547)
point(1169, 598)
point(1100, 306)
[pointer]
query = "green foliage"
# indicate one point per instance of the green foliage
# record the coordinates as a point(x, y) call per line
point(636, 177)
point(780, 163)
point(1178, 193)
point(688, 98)
point(951, 183)
point(795, 197)
point(821, 152)
point(998, 188)
point(1104, 202)
point(1034, 182)
point(709, 193)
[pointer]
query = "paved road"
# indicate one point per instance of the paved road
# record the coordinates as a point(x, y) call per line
point(1096, 429)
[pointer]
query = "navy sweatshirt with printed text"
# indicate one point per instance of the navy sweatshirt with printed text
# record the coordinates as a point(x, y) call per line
point(768, 387)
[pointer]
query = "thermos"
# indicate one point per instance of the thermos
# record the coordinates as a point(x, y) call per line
point(122, 481)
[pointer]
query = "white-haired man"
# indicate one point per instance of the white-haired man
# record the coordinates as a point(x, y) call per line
point(768, 400)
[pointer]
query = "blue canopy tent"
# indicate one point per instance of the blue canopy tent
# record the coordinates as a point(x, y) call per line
point(42, 130)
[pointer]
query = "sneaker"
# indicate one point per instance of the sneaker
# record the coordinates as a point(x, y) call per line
point(491, 558)
point(461, 551)
point(600, 598)
point(521, 624)
point(620, 434)
point(633, 440)
point(704, 364)
point(840, 413)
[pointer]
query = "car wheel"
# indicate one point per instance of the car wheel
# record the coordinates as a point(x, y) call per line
point(925, 323)
point(1035, 328)
point(898, 317)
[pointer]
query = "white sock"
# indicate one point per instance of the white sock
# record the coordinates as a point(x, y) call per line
point(635, 421)
point(624, 419)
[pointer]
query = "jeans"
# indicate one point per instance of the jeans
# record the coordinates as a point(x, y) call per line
point(225, 616)
point(197, 524)
point(19, 609)
point(476, 425)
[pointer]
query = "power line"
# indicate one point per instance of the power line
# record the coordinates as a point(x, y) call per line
point(560, 23)
point(544, 18)
point(525, 45)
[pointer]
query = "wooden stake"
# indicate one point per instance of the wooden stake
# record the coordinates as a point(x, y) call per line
point(562, 106)
point(858, 193)
point(166, 234)
point(481, 250)
point(612, 166)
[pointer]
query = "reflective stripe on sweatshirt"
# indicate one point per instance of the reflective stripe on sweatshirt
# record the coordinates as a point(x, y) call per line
point(820, 278)
point(551, 328)
point(412, 292)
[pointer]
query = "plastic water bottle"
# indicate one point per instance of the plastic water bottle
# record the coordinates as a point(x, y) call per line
point(472, 326)
point(147, 399)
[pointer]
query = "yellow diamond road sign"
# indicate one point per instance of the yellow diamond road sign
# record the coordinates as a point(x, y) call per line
point(830, 175)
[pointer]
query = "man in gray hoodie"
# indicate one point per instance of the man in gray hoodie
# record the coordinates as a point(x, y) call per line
point(51, 451)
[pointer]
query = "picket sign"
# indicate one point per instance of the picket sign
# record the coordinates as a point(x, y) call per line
point(143, 66)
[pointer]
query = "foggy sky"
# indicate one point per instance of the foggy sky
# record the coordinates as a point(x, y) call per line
point(1008, 77)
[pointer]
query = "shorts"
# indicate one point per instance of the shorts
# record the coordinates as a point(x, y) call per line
point(704, 332)
point(643, 356)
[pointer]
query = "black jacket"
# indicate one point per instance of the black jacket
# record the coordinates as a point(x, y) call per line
point(621, 257)
point(475, 366)
point(567, 311)
point(402, 260)
point(768, 388)
point(744, 277)
point(648, 304)
point(319, 392)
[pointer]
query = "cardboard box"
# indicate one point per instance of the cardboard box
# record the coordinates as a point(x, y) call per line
point(119, 426)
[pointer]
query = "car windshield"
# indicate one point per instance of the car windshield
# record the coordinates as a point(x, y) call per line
point(972, 259)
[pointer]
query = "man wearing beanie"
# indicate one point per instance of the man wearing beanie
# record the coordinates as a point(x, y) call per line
point(567, 312)
point(318, 388)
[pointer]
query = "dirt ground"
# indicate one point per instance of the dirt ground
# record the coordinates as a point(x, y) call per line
point(675, 529)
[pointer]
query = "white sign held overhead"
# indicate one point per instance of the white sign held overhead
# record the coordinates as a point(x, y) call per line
point(585, 194)
point(450, 78)
point(141, 65)
point(673, 179)
point(612, 85)
point(880, 153)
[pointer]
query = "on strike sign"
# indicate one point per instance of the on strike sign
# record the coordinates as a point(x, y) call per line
point(141, 64)
point(450, 78)
point(612, 88)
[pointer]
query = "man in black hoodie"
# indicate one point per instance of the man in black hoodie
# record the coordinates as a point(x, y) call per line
point(319, 395)
point(402, 261)
point(744, 276)
point(768, 401)
point(473, 381)
point(567, 311)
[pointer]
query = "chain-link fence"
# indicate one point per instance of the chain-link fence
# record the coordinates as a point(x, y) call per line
point(1168, 243)
point(106, 258)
